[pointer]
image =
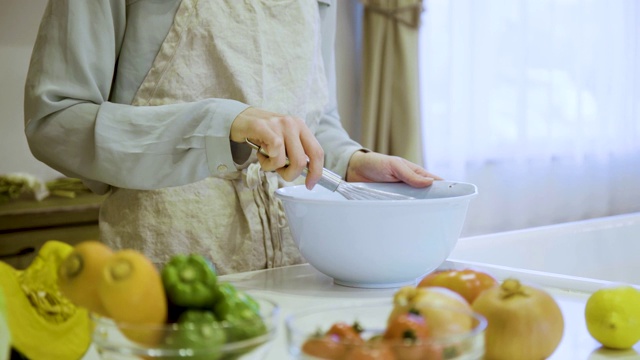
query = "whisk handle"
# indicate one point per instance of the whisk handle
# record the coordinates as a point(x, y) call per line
point(329, 179)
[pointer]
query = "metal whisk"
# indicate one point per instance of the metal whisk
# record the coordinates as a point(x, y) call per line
point(334, 183)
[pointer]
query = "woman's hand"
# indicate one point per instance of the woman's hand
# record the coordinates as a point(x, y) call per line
point(282, 137)
point(376, 167)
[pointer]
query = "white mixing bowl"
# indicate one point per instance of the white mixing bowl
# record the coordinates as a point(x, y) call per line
point(377, 243)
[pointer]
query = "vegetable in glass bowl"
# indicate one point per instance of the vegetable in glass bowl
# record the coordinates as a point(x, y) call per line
point(197, 334)
point(189, 313)
point(384, 333)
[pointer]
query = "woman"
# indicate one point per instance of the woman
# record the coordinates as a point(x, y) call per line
point(152, 101)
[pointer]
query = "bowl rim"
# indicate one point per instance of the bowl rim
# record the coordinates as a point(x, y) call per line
point(475, 331)
point(280, 193)
point(103, 320)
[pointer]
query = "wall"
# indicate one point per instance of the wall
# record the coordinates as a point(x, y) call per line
point(19, 21)
point(18, 27)
point(347, 64)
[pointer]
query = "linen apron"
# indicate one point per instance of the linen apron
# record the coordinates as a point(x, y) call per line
point(265, 53)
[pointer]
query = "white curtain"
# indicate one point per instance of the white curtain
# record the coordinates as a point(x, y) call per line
point(537, 102)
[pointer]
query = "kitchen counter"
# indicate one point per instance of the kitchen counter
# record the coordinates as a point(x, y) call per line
point(301, 286)
point(26, 224)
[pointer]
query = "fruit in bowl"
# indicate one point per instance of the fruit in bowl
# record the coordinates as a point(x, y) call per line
point(417, 324)
point(377, 243)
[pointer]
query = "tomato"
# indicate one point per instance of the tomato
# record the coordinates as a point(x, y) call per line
point(468, 283)
point(418, 351)
point(346, 332)
point(327, 347)
point(407, 326)
point(408, 334)
point(377, 351)
point(334, 343)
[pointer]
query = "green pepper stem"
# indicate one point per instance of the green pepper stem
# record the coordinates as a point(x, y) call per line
point(187, 274)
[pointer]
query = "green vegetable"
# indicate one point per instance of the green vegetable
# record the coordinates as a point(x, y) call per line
point(190, 281)
point(66, 187)
point(240, 311)
point(199, 331)
point(12, 186)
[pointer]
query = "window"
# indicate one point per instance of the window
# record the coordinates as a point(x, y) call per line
point(538, 103)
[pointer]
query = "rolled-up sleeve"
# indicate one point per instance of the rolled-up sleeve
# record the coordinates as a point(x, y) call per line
point(72, 126)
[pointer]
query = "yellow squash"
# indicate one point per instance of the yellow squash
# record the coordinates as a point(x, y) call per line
point(43, 323)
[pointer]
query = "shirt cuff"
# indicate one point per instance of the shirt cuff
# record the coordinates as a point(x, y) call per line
point(219, 154)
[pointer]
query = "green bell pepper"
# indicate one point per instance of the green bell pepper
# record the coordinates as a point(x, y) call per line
point(190, 281)
point(240, 311)
point(199, 331)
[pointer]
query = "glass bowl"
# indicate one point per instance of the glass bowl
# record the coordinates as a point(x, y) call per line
point(111, 343)
point(372, 318)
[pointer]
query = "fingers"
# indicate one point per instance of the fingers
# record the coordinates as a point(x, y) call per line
point(273, 144)
point(431, 175)
point(414, 174)
point(315, 155)
point(287, 140)
point(376, 167)
point(296, 151)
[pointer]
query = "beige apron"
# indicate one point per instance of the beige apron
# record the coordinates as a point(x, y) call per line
point(265, 53)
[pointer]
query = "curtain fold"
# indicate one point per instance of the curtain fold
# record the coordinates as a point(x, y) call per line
point(390, 105)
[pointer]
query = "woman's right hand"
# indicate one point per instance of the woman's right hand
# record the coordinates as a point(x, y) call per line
point(282, 137)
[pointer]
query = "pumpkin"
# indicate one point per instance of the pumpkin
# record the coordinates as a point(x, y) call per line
point(43, 323)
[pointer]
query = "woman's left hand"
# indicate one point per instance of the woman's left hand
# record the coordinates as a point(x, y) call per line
point(376, 167)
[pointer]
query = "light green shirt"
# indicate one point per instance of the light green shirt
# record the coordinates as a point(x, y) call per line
point(88, 61)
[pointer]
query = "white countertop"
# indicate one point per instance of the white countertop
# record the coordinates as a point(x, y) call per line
point(301, 286)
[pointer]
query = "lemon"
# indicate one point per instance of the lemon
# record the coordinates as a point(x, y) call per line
point(613, 316)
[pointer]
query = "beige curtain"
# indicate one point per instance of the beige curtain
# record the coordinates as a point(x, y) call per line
point(390, 107)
